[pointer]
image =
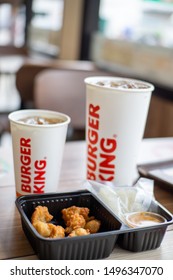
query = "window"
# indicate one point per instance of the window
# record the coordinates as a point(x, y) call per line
point(149, 22)
point(46, 24)
point(12, 24)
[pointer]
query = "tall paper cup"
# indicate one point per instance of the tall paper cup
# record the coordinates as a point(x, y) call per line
point(115, 122)
point(37, 151)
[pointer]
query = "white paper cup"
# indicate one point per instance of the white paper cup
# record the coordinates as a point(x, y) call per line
point(115, 123)
point(37, 151)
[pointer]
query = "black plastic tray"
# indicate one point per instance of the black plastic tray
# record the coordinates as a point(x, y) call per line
point(93, 246)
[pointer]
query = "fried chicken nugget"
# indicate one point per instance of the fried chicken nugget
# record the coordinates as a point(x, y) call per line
point(57, 231)
point(93, 226)
point(41, 214)
point(79, 232)
point(75, 221)
point(49, 230)
point(68, 212)
point(43, 228)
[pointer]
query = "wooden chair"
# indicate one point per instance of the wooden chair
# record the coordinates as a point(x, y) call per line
point(64, 91)
point(58, 86)
point(25, 76)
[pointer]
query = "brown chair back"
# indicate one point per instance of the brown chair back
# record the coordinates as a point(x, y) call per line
point(64, 91)
point(26, 74)
point(57, 85)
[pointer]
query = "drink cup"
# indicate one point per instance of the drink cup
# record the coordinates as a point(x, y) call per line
point(116, 113)
point(38, 139)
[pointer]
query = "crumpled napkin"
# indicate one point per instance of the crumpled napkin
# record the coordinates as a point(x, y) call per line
point(126, 199)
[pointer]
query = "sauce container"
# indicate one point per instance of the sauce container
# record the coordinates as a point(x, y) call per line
point(144, 219)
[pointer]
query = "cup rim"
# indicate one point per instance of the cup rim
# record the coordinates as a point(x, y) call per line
point(15, 116)
point(89, 81)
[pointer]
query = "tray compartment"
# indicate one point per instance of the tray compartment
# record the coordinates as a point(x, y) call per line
point(93, 246)
point(146, 238)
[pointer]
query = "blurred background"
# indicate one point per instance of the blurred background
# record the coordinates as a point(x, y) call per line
point(127, 37)
point(65, 29)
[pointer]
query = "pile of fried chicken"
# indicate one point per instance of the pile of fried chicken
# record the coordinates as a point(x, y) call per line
point(76, 219)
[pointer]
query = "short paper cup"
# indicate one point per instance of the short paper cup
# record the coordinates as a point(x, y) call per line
point(37, 151)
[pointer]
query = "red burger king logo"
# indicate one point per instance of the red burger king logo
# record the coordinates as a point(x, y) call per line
point(38, 184)
point(105, 151)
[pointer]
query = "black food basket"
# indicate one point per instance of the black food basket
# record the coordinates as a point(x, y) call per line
point(93, 246)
